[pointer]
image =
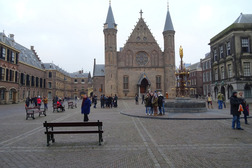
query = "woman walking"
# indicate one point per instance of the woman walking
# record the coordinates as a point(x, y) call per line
point(85, 107)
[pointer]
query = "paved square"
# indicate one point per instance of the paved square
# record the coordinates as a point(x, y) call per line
point(128, 141)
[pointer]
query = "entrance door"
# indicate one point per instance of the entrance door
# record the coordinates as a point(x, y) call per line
point(144, 85)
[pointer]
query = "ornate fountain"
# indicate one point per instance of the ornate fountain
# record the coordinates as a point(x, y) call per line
point(182, 75)
point(182, 102)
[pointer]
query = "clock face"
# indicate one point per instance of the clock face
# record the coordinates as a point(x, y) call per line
point(141, 58)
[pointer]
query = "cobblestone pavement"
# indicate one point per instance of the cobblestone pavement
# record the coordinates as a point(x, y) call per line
point(128, 141)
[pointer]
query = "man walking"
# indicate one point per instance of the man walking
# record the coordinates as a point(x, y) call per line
point(234, 107)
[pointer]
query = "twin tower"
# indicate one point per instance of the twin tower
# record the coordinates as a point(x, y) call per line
point(140, 66)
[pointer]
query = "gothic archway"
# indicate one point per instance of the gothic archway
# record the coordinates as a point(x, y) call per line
point(215, 92)
point(230, 91)
point(143, 86)
point(223, 91)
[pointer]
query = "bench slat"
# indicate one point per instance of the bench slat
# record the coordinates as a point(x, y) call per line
point(72, 132)
point(72, 124)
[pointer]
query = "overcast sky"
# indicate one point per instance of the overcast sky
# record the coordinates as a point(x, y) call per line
point(70, 33)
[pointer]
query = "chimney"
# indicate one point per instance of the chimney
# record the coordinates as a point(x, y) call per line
point(11, 36)
point(32, 48)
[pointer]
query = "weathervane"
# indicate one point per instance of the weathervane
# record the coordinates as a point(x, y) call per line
point(110, 2)
point(167, 4)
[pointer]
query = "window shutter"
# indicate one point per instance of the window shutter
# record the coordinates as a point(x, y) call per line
point(1, 48)
point(16, 76)
point(8, 55)
point(7, 74)
point(10, 75)
point(0, 73)
point(17, 58)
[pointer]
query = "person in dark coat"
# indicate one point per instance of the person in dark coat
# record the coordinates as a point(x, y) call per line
point(27, 102)
point(160, 103)
point(115, 100)
point(245, 107)
point(95, 100)
point(136, 98)
point(85, 107)
point(234, 106)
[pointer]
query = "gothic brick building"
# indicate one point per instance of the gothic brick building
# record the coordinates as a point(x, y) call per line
point(140, 65)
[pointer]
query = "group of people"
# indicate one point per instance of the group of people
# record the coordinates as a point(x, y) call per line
point(154, 103)
point(108, 101)
point(36, 102)
point(237, 106)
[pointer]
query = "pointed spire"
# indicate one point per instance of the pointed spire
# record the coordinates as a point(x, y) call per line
point(110, 21)
point(168, 21)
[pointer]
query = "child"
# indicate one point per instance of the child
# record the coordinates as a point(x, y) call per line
point(246, 112)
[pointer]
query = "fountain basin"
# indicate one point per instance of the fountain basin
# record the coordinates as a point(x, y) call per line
point(185, 105)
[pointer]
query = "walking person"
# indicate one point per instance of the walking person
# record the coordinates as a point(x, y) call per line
point(102, 101)
point(147, 102)
point(219, 97)
point(39, 101)
point(234, 110)
point(136, 98)
point(160, 103)
point(246, 112)
point(85, 107)
point(223, 100)
point(115, 101)
point(209, 100)
point(245, 107)
point(95, 100)
point(27, 102)
point(142, 98)
point(45, 101)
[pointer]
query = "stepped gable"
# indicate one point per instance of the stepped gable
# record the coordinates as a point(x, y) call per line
point(141, 34)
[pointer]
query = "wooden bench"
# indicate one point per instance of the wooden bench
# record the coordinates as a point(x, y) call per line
point(30, 111)
point(72, 105)
point(50, 129)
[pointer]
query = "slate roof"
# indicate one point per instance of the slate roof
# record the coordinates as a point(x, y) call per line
point(52, 66)
point(244, 18)
point(243, 22)
point(110, 21)
point(26, 55)
point(168, 22)
point(79, 75)
point(99, 70)
point(194, 67)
